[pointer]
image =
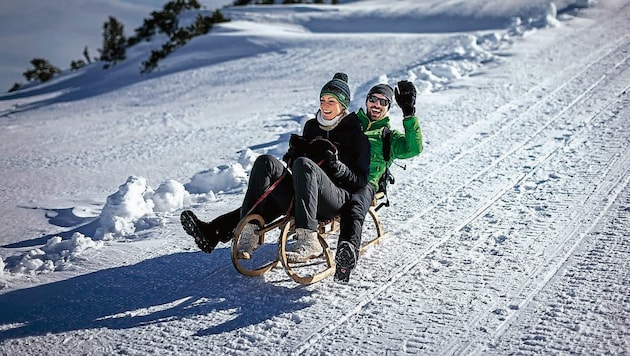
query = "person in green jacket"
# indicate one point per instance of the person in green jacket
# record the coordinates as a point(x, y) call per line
point(374, 120)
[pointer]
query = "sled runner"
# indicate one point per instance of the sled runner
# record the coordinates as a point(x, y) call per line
point(276, 236)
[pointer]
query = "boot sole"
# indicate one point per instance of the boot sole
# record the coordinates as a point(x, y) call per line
point(189, 223)
point(345, 261)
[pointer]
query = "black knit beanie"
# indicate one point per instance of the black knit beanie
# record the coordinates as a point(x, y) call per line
point(383, 89)
point(338, 87)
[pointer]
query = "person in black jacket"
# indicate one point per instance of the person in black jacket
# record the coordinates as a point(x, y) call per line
point(328, 163)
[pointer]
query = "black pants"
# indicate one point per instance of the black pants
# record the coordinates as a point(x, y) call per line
point(315, 195)
point(353, 215)
point(266, 171)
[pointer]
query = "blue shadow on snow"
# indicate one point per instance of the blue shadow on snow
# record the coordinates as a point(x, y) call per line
point(166, 288)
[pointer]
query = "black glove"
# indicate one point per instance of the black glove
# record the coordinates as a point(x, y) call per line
point(335, 166)
point(316, 149)
point(297, 147)
point(405, 94)
point(289, 156)
point(297, 143)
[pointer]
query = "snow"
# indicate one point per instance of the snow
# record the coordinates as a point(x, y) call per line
point(508, 234)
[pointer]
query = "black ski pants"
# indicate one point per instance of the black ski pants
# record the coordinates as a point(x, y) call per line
point(315, 196)
point(353, 215)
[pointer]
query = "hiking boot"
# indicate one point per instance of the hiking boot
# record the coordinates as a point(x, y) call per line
point(345, 260)
point(248, 242)
point(306, 247)
point(205, 236)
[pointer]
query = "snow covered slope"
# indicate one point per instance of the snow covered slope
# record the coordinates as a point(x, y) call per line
point(508, 233)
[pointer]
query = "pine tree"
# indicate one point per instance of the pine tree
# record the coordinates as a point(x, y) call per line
point(15, 87)
point(78, 64)
point(114, 42)
point(202, 25)
point(42, 70)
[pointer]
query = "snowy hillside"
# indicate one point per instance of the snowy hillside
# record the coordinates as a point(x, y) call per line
point(508, 234)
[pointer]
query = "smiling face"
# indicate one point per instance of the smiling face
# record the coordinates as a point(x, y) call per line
point(330, 107)
point(375, 108)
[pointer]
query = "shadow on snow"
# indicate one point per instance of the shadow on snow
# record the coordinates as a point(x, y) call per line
point(162, 289)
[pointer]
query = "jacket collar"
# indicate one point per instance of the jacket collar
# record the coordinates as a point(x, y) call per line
point(368, 125)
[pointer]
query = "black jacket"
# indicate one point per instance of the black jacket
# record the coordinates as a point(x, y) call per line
point(353, 149)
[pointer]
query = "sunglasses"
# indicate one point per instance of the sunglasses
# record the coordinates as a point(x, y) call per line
point(380, 101)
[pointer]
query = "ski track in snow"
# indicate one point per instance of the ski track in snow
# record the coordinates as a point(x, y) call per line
point(555, 154)
point(536, 145)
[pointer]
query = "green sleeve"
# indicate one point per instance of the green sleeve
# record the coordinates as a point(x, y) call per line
point(409, 144)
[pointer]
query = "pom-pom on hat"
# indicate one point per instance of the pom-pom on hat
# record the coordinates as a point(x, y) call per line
point(383, 89)
point(338, 87)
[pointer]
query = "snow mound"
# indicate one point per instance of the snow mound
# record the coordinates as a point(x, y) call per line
point(458, 58)
point(126, 210)
point(218, 179)
point(170, 196)
point(134, 207)
point(55, 255)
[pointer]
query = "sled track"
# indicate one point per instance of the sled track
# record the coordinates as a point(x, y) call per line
point(535, 107)
point(533, 149)
point(580, 287)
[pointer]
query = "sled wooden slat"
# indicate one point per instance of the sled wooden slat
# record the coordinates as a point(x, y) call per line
point(380, 234)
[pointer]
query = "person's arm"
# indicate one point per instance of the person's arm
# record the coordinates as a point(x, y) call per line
point(409, 144)
point(351, 175)
point(297, 147)
point(351, 168)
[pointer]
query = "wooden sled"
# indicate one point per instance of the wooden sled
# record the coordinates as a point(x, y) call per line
point(275, 237)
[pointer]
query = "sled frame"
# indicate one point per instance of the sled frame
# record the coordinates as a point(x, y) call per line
point(287, 231)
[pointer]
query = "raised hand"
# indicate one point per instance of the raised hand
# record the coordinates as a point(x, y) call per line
point(405, 94)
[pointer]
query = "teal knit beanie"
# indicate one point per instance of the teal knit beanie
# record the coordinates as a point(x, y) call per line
point(338, 87)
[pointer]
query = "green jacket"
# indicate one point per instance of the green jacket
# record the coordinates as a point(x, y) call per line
point(403, 145)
